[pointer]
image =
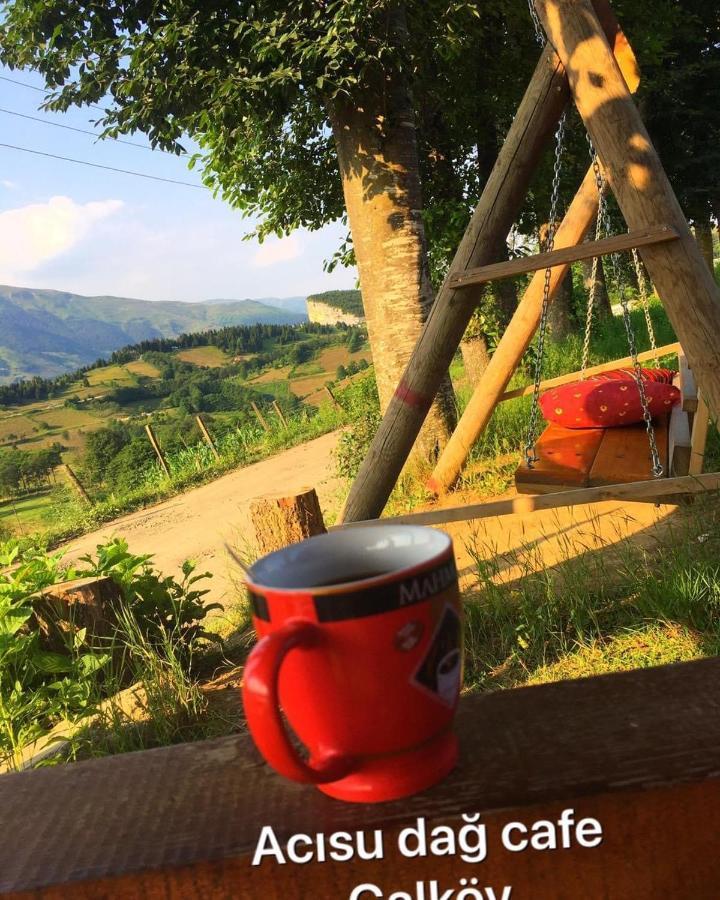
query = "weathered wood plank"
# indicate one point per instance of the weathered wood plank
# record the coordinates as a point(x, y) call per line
point(640, 752)
point(641, 491)
point(687, 385)
point(564, 256)
point(566, 457)
point(698, 440)
point(624, 454)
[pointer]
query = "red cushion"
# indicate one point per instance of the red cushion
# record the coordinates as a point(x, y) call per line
point(609, 399)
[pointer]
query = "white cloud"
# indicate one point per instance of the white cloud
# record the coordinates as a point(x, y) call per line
point(9, 185)
point(35, 234)
point(275, 251)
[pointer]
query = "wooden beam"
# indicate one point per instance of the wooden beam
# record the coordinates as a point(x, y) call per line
point(636, 751)
point(156, 447)
point(667, 350)
point(698, 440)
point(513, 343)
point(501, 201)
point(564, 256)
point(641, 491)
point(687, 385)
point(641, 187)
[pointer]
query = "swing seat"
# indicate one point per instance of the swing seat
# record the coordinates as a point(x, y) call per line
point(571, 458)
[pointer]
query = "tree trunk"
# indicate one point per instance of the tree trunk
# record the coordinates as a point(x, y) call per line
point(377, 151)
point(560, 322)
point(704, 237)
point(603, 307)
point(476, 357)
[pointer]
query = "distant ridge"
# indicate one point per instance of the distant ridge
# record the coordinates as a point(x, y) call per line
point(47, 332)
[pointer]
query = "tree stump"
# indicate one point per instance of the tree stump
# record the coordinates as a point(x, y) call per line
point(279, 520)
point(65, 608)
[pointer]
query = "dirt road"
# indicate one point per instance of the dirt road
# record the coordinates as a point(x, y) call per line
point(197, 525)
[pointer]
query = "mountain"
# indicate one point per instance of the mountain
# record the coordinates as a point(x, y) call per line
point(291, 304)
point(44, 332)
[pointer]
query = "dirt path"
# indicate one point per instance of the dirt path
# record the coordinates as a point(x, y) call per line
point(197, 525)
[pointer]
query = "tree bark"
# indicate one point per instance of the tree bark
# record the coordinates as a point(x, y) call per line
point(560, 313)
point(279, 520)
point(704, 237)
point(377, 150)
point(476, 356)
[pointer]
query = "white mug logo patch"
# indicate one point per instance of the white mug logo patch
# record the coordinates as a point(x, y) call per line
point(440, 671)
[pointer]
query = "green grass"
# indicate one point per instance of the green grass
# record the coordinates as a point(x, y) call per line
point(625, 606)
point(27, 514)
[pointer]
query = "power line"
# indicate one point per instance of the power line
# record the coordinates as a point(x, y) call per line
point(83, 162)
point(33, 87)
point(12, 112)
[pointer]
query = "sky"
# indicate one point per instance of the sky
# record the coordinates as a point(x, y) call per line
point(96, 232)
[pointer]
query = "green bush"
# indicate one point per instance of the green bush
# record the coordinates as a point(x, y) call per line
point(40, 686)
point(361, 405)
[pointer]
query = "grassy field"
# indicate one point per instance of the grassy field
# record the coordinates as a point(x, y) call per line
point(27, 514)
point(212, 357)
point(141, 367)
point(16, 427)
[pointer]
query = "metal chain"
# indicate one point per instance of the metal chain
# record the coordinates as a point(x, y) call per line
point(600, 182)
point(657, 467)
point(642, 284)
point(532, 433)
point(539, 31)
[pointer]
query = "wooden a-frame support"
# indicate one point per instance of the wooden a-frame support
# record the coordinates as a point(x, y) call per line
point(600, 81)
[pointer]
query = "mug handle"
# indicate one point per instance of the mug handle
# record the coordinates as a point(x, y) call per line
point(262, 707)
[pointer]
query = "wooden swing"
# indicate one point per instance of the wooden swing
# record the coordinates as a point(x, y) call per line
point(587, 58)
point(573, 458)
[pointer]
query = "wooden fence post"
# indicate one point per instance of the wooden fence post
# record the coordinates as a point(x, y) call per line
point(280, 520)
point(279, 413)
point(75, 482)
point(206, 434)
point(332, 396)
point(156, 448)
point(260, 417)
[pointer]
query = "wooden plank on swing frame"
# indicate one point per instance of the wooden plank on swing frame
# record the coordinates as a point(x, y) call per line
point(698, 441)
point(651, 491)
point(624, 455)
point(687, 385)
point(565, 458)
point(565, 255)
point(626, 362)
point(679, 438)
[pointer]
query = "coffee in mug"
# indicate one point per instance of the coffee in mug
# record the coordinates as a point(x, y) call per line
point(360, 646)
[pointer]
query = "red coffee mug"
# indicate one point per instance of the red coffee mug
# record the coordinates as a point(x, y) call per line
point(361, 647)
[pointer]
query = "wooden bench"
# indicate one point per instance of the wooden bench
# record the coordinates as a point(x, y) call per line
point(639, 752)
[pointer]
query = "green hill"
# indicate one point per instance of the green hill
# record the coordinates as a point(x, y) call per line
point(46, 333)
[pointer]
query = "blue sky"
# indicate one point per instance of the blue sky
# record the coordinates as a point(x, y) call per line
point(90, 231)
